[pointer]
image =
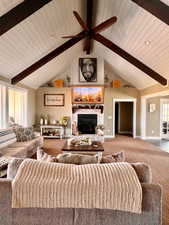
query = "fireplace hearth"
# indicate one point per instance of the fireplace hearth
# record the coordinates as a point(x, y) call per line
point(87, 123)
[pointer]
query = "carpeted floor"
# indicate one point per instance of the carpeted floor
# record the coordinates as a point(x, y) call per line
point(136, 150)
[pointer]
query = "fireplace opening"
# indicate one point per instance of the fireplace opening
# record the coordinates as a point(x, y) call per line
point(87, 123)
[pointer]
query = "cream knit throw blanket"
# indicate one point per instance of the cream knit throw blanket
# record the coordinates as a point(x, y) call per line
point(50, 185)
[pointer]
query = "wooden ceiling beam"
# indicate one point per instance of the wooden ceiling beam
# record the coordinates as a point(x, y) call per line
point(155, 7)
point(154, 75)
point(47, 58)
point(19, 13)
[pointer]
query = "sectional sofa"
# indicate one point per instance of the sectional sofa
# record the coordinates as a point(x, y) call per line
point(151, 209)
point(10, 147)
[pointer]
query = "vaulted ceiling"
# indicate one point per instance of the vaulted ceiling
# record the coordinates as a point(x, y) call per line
point(137, 31)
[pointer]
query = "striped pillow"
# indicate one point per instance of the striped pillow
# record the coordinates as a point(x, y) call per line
point(7, 137)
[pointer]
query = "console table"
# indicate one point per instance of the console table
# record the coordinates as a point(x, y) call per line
point(52, 131)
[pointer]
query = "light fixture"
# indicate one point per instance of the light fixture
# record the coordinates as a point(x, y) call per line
point(147, 43)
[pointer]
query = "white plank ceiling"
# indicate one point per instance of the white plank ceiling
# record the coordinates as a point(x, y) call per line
point(41, 33)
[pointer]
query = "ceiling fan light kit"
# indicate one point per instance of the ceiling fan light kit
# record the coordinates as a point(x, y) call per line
point(91, 33)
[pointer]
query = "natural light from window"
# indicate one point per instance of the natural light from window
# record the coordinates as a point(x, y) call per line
point(3, 108)
point(17, 106)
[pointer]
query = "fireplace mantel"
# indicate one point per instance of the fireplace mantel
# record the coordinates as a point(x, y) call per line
point(77, 107)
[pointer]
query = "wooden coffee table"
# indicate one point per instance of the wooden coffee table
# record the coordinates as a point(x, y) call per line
point(96, 147)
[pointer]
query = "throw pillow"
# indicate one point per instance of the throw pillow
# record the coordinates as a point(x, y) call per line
point(78, 159)
point(39, 153)
point(116, 157)
point(68, 158)
point(4, 162)
point(47, 158)
point(24, 134)
point(13, 167)
point(43, 156)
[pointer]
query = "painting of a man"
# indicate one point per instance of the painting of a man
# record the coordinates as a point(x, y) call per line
point(88, 70)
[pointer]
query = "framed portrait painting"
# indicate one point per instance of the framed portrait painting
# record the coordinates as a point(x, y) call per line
point(87, 69)
point(54, 99)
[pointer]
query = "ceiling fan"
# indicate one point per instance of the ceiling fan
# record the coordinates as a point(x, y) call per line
point(91, 33)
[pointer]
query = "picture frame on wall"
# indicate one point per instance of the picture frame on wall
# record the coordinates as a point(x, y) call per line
point(54, 99)
point(87, 70)
point(88, 95)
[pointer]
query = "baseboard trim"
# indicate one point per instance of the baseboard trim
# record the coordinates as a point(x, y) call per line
point(126, 132)
point(152, 138)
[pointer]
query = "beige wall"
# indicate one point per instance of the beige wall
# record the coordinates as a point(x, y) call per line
point(153, 118)
point(54, 113)
point(58, 112)
point(31, 109)
point(120, 93)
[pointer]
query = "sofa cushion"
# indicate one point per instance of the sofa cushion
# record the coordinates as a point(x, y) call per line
point(30, 146)
point(7, 137)
point(14, 152)
point(24, 134)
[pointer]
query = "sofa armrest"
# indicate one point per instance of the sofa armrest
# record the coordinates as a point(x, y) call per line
point(151, 211)
point(143, 172)
point(5, 202)
point(39, 140)
point(152, 202)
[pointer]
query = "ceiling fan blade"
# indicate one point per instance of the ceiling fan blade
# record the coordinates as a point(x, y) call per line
point(59, 50)
point(154, 75)
point(81, 22)
point(105, 24)
point(73, 36)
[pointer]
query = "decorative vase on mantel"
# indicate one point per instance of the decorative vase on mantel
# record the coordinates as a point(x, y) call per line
point(41, 121)
point(46, 120)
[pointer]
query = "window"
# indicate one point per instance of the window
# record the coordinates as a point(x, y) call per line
point(17, 106)
point(165, 118)
point(3, 108)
